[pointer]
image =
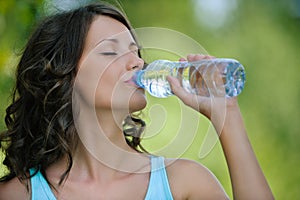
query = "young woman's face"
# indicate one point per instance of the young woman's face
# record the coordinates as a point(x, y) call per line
point(110, 59)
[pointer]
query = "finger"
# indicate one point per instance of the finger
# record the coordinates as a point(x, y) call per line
point(199, 57)
point(187, 98)
point(209, 57)
point(199, 103)
point(191, 57)
point(195, 57)
point(176, 87)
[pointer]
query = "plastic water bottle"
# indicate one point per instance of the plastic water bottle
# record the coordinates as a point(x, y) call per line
point(207, 77)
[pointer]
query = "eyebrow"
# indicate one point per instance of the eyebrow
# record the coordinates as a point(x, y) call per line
point(108, 39)
point(114, 41)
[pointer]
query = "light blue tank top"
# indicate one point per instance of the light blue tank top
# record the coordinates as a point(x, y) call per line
point(158, 188)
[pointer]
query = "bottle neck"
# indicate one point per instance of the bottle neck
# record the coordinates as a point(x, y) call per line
point(137, 78)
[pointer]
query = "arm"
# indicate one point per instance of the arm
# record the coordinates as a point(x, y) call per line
point(247, 178)
point(191, 180)
point(248, 181)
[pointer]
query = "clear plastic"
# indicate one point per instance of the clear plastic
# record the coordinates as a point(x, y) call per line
point(207, 77)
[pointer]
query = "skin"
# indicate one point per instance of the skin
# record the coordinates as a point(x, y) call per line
point(104, 97)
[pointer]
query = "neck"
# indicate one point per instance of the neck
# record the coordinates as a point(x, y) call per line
point(102, 154)
point(102, 145)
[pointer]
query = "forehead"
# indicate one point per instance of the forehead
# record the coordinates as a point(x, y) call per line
point(104, 27)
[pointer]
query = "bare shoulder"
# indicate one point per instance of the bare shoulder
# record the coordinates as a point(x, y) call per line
point(13, 190)
point(191, 180)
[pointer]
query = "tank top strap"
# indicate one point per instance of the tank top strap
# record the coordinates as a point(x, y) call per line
point(40, 189)
point(159, 188)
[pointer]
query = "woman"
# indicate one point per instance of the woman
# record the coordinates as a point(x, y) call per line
point(65, 137)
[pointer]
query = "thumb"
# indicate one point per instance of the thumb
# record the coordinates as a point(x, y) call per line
point(194, 101)
point(179, 91)
point(176, 87)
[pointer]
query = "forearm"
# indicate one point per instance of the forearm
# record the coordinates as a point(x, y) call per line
point(248, 181)
point(247, 178)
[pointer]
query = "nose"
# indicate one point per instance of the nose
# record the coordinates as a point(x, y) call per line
point(134, 62)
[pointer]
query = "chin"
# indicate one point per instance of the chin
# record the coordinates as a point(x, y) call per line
point(137, 103)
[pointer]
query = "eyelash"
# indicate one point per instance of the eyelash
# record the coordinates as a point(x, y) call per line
point(135, 51)
point(109, 53)
point(114, 53)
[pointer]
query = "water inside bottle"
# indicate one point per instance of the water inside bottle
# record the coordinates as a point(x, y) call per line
point(218, 77)
point(208, 78)
point(156, 83)
point(235, 79)
point(193, 81)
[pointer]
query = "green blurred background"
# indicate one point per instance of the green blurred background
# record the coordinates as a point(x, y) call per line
point(262, 34)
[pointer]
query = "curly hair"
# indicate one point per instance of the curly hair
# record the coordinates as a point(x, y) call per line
point(40, 126)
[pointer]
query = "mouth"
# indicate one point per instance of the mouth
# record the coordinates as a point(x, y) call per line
point(129, 80)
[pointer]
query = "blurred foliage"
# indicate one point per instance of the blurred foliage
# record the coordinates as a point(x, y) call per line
point(262, 34)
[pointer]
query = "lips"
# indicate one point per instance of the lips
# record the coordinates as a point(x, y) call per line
point(130, 82)
point(129, 79)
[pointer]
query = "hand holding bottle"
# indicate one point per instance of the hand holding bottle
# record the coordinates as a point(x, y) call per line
point(225, 115)
point(209, 76)
point(201, 103)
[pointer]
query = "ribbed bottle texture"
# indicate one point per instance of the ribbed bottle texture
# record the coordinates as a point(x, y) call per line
point(207, 77)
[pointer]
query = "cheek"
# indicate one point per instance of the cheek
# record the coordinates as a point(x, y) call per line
point(105, 89)
point(87, 81)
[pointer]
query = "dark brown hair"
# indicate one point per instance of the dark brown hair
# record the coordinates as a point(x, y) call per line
point(40, 127)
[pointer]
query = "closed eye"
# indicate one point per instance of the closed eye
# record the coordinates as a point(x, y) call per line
point(136, 51)
point(133, 47)
point(108, 53)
